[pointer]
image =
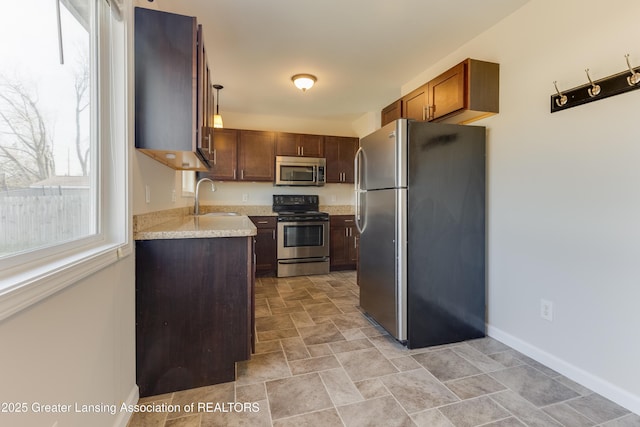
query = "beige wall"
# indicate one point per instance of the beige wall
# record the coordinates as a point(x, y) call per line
point(77, 346)
point(563, 198)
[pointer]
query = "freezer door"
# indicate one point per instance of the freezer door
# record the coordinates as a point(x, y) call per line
point(383, 161)
point(383, 262)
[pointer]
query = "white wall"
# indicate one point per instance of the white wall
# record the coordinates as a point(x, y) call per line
point(77, 346)
point(564, 192)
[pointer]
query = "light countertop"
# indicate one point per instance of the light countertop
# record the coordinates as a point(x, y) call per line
point(199, 227)
point(180, 223)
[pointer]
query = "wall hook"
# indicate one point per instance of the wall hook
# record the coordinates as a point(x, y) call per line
point(594, 90)
point(561, 99)
point(634, 78)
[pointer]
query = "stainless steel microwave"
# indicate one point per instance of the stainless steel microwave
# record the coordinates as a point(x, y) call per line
point(309, 171)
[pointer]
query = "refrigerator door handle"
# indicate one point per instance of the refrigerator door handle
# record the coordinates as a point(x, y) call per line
point(358, 189)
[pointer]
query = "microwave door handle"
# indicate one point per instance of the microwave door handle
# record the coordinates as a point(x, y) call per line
point(315, 174)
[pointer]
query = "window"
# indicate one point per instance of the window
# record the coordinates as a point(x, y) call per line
point(63, 151)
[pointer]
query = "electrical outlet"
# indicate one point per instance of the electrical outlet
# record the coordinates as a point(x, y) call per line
point(245, 197)
point(546, 310)
point(147, 194)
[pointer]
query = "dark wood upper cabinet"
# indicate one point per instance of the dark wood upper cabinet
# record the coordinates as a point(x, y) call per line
point(224, 161)
point(169, 89)
point(302, 145)
point(339, 152)
point(256, 155)
point(415, 103)
point(391, 112)
point(464, 93)
point(447, 92)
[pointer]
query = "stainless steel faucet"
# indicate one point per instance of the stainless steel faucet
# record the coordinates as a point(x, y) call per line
point(196, 206)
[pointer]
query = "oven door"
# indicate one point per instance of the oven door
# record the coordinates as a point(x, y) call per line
point(303, 239)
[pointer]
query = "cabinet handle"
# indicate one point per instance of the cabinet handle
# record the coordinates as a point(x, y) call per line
point(273, 234)
point(348, 220)
point(425, 112)
point(234, 174)
point(215, 157)
point(302, 151)
point(208, 143)
point(242, 174)
point(263, 222)
point(431, 112)
point(355, 243)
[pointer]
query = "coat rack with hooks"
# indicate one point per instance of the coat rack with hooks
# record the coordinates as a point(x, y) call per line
point(616, 84)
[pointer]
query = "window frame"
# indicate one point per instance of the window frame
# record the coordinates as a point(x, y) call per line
point(29, 277)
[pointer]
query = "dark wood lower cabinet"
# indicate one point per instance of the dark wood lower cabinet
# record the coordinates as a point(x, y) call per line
point(344, 241)
point(194, 311)
point(266, 245)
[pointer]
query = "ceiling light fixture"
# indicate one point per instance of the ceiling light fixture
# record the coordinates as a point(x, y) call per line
point(304, 81)
point(217, 118)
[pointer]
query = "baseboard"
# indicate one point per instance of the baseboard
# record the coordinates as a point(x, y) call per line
point(582, 377)
point(123, 416)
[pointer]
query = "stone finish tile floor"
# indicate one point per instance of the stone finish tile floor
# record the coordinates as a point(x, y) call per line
point(320, 362)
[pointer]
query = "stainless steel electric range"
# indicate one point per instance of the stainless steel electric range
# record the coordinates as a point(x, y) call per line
point(303, 235)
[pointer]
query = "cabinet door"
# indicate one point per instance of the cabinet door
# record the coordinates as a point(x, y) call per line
point(287, 144)
point(447, 92)
point(224, 159)
point(166, 89)
point(256, 155)
point(333, 172)
point(312, 145)
point(391, 112)
point(339, 152)
point(301, 145)
point(348, 150)
point(354, 241)
point(338, 247)
point(414, 104)
point(343, 243)
point(266, 245)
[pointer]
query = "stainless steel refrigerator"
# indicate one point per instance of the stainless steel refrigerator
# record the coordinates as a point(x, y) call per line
point(420, 209)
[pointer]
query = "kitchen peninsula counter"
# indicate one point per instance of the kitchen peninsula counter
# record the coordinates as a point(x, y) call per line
point(199, 227)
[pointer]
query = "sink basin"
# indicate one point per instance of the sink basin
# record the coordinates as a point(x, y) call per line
point(220, 214)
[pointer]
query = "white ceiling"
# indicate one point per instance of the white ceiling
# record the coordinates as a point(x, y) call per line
point(362, 51)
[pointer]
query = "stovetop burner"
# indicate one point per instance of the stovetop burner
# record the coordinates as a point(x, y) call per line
point(295, 203)
point(298, 208)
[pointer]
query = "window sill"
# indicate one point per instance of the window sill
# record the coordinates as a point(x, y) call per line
point(21, 290)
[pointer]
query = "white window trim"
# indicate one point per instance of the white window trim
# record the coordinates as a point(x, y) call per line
point(38, 278)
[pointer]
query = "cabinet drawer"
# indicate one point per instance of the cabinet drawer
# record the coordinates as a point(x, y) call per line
point(264, 221)
point(342, 221)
